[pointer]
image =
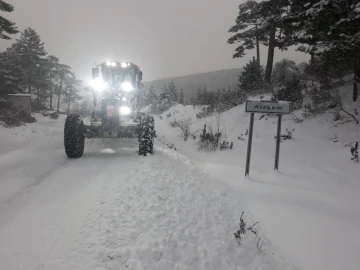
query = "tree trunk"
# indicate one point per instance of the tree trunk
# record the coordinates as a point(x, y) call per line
point(257, 47)
point(69, 101)
point(59, 96)
point(271, 51)
point(356, 78)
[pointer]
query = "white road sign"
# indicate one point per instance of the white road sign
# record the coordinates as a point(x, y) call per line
point(279, 107)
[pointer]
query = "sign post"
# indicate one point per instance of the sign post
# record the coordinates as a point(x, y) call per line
point(274, 107)
point(248, 156)
point(277, 153)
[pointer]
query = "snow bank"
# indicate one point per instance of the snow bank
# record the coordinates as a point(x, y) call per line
point(315, 193)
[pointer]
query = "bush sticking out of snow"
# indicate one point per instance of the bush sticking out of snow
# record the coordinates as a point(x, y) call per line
point(240, 138)
point(355, 152)
point(241, 232)
point(184, 125)
point(226, 145)
point(171, 146)
point(209, 139)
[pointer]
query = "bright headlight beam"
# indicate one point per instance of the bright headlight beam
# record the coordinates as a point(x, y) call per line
point(127, 86)
point(108, 63)
point(113, 64)
point(125, 110)
point(124, 64)
point(98, 84)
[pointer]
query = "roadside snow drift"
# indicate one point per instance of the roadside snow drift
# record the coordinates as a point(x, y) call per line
point(310, 208)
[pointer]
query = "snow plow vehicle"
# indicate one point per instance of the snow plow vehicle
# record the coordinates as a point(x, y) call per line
point(117, 84)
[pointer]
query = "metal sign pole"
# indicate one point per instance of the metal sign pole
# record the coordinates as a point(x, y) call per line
point(277, 153)
point(247, 170)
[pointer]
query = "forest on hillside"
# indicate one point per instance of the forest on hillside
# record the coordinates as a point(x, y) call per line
point(328, 31)
point(26, 67)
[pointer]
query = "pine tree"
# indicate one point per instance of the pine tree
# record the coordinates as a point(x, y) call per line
point(287, 82)
point(182, 98)
point(165, 101)
point(272, 41)
point(251, 80)
point(63, 73)
point(258, 22)
point(31, 50)
point(173, 93)
point(6, 27)
point(197, 100)
point(327, 29)
point(10, 73)
point(52, 68)
point(151, 98)
point(41, 82)
point(71, 90)
point(249, 32)
point(164, 94)
point(285, 71)
point(204, 97)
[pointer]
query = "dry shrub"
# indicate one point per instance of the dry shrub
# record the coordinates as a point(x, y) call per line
point(184, 125)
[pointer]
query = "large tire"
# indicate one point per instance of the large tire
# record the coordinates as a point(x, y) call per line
point(74, 139)
point(146, 135)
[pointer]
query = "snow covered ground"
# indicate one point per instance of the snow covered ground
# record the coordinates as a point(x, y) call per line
point(112, 209)
point(310, 208)
point(178, 209)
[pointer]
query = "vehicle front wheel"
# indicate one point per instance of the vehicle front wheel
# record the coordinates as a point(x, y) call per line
point(146, 136)
point(74, 139)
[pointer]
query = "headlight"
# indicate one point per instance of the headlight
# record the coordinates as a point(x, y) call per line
point(124, 64)
point(125, 110)
point(109, 63)
point(127, 86)
point(98, 84)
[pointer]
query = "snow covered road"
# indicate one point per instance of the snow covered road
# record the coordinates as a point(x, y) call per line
point(113, 209)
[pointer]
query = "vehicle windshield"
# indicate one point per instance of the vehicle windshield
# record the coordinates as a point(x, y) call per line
point(114, 76)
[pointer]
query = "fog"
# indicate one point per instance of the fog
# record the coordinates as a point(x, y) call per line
point(165, 38)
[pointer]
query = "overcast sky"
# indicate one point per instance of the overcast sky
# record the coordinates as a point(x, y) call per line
point(165, 38)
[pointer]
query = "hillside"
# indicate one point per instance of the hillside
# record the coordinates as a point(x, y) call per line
point(191, 83)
